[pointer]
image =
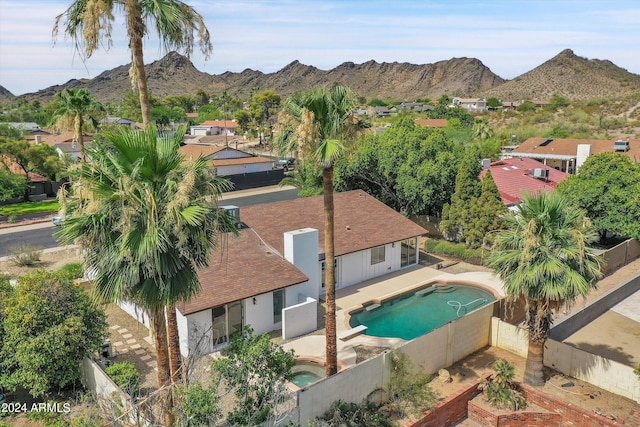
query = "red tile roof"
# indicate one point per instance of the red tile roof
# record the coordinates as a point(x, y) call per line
point(241, 268)
point(513, 177)
point(432, 123)
point(220, 123)
point(360, 221)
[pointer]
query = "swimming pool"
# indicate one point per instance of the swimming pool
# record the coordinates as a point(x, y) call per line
point(415, 313)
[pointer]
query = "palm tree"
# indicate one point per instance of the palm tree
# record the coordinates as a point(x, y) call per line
point(88, 23)
point(78, 104)
point(316, 125)
point(147, 220)
point(542, 257)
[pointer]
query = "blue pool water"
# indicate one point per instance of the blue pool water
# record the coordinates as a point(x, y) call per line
point(305, 373)
point(413, 314)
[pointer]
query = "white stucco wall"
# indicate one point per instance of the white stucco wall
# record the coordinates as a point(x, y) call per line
point(260, 315)
point(300, 319)
point(136, 312)
point(356, 267)
point(199, 333)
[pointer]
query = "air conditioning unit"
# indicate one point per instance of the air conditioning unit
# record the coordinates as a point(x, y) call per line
point(234, 213)
point(107, 349)
point(541, 173)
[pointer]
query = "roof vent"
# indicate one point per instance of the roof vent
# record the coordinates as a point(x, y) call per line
point(541, 173)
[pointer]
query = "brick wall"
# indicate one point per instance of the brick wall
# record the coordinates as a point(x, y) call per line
point(451, 410)
point(570, 413)
point(513, 419)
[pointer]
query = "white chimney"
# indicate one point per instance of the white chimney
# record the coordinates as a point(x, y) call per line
point(582, 153)
point(37, 139)
point(301, 250)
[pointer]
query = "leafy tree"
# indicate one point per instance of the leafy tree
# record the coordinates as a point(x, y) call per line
point(526, 106)
point(264, 109)
point(457, 216)
point(202, 98)
point(165, 116)
point(50, 325)
point(317, 125)
point(89, 25)
point(486, 213)
point(10, 132)
point(81, 105)
point(607, 187)
point(375, 102)
point(254, 368)
point(6, 291)
point(559, 101)
point(40, 158)
point(148, 220)
point(408, 167)
point(208, 112)
point(11, 185)
point(243, 118)
point(198, 406)
point(494, 103)
point(185, 102)
point(542, 257)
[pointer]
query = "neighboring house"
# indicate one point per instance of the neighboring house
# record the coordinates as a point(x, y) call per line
point(27, 127)
point(228, 160)
point(431, 123)
point(119, 121)
point(519, 175)
point(382, 111)
point(70, 149)
point(568, 154)
point(271, 276)
point(215, 127)
point(414, 107)
point(472, 105)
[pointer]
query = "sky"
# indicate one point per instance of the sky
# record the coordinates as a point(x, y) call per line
point(510, 37)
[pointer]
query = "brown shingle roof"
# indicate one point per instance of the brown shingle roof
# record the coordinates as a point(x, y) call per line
point(432, 123)
point(241, 161)
point(243, 268)
point(196, 150)
point(360, 221)
point(220, 123)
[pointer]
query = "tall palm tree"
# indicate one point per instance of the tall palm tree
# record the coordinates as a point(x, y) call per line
point(316, 125)
point(542, 257)
point(147, 220)
point(80, 105)
point(88, 22)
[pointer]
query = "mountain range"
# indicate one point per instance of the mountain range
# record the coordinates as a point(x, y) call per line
point(565, 74)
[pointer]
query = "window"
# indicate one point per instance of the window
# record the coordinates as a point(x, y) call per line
point(278, 305)
point(377, 255)
point(408, 252)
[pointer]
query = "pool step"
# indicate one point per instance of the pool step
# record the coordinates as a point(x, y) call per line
point(372, 307)
point(425, 291)
point(445, 289)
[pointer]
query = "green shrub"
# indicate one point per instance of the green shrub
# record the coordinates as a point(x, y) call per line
point(352, 415)
point(456, 250)
point(72, 271)
point(500, 390)
point(126, 376)
point(25, 255)
point(11, 218)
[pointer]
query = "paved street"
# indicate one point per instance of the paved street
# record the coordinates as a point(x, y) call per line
point(41, 235)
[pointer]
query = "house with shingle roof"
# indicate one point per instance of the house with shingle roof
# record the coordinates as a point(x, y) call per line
point(271, 276)
point(568, 154)
point(214, 127)
point(519, 175)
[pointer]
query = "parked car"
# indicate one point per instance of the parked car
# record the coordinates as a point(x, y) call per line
point(58, 219)
point(285, 164)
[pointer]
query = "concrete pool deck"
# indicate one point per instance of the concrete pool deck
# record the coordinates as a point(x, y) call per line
point(354, 296)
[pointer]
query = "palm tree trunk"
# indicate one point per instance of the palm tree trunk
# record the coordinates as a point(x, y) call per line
point(533, 373)
point(78, 136)
point(175, 358)
point(331, 365)
point(164, 371)
point(136, 31)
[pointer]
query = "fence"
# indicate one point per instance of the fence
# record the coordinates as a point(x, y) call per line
point(621, 255)
point(433, 351)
